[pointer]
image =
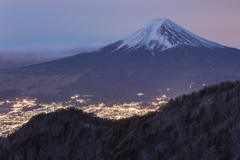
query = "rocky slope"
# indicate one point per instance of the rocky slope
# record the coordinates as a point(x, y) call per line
point(200, 125)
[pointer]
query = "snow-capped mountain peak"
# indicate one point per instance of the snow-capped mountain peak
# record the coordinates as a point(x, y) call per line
point(162, 34)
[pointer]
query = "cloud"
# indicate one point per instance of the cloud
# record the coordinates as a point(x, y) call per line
point(20, 56)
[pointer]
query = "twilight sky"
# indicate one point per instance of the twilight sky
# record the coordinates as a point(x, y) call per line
point(33, 31)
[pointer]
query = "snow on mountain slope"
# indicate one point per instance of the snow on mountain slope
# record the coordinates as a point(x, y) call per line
point(162, 34)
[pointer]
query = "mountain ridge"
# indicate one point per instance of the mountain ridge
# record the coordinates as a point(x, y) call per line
point(199, 125)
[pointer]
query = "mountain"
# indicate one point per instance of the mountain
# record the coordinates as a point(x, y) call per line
point(158, 56)
point(162, 34)
point(200, 125)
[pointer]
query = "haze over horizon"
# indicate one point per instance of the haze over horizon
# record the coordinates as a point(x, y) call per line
point(37, 31)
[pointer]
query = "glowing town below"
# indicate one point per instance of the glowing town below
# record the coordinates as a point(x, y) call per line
point(14, 113)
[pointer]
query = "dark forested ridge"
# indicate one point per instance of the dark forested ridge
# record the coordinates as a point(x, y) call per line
point(200, 125)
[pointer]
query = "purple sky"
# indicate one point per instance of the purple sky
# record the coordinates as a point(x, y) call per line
point(33, 31)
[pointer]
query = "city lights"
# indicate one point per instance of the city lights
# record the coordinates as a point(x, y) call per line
point(23, 110)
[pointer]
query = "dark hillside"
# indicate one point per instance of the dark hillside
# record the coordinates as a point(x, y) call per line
point(200, 125)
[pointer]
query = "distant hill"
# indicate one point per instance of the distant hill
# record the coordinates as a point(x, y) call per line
point(200, 125)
